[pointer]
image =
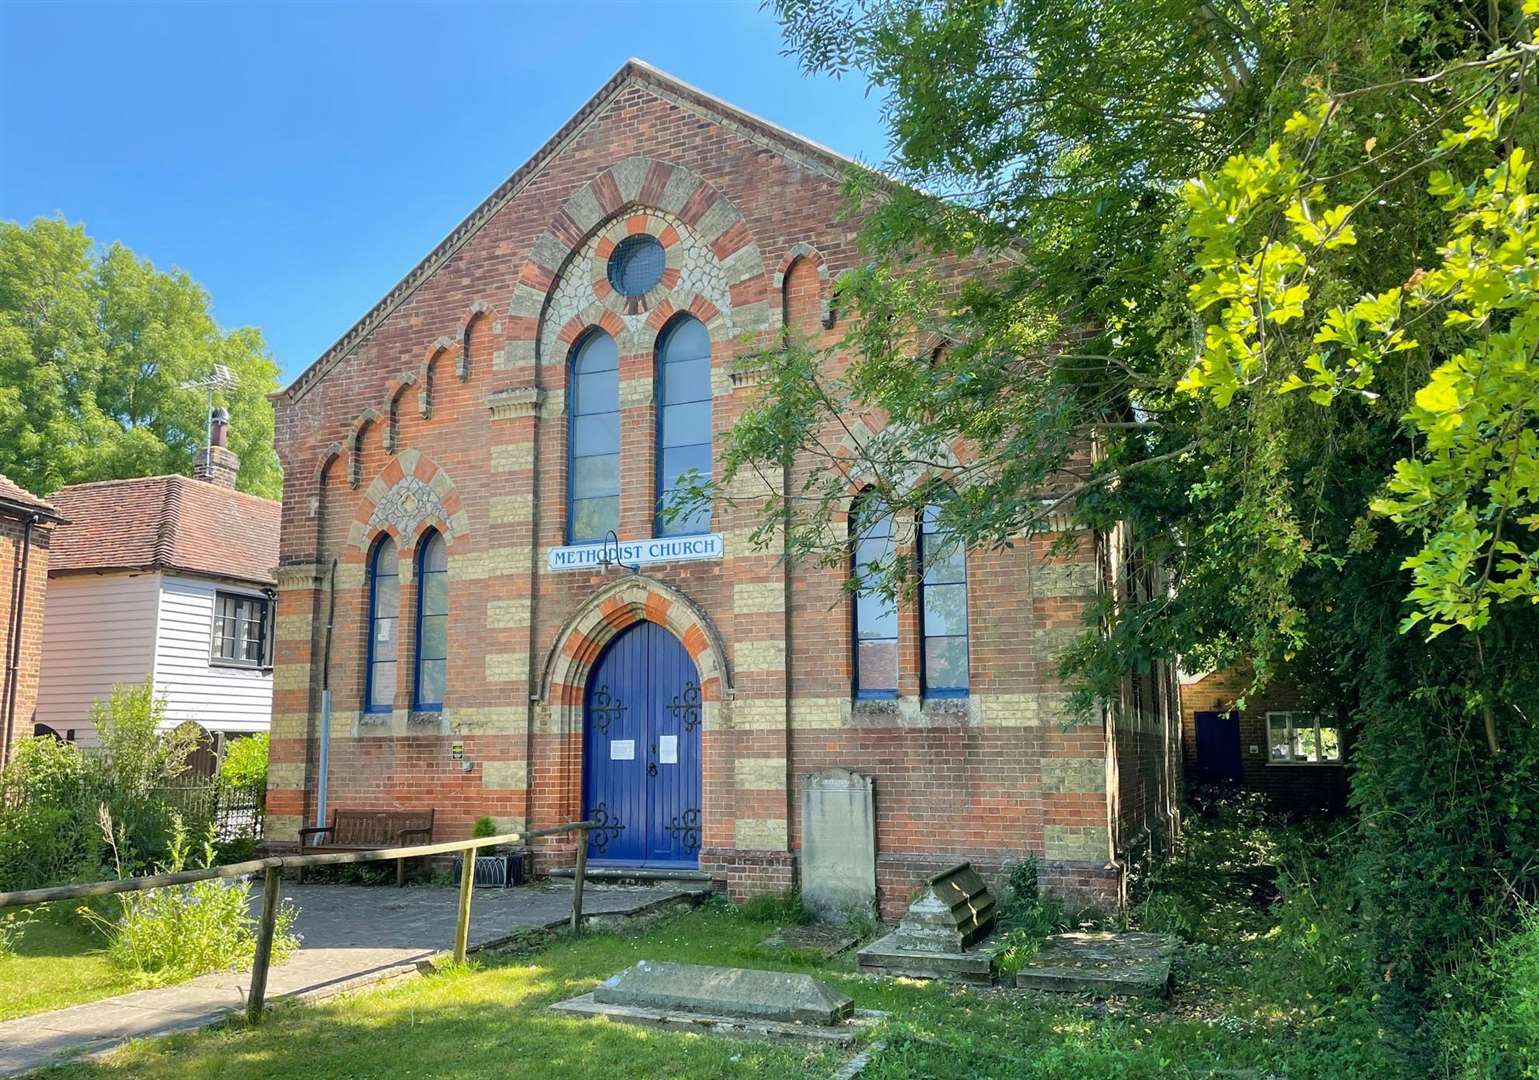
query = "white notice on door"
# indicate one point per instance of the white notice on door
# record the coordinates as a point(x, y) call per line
point(622, 749)
point(668, 749)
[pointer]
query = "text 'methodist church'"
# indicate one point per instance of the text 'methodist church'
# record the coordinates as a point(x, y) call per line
point(455, 465)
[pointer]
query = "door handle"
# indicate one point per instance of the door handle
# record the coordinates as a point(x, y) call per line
point(651, 768)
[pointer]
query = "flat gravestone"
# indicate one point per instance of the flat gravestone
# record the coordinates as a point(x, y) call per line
point(744, 993)
point(1102, 963)
point(943, 935)
point(838, 845)
point(814, 940)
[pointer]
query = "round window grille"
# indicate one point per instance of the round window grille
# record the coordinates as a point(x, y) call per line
point(635, 265)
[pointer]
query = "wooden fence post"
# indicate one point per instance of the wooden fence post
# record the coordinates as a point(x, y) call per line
point(577, 877)
point(264, 946)
point(467, 886)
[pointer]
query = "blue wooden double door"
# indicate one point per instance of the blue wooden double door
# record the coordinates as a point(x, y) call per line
point(641, 752)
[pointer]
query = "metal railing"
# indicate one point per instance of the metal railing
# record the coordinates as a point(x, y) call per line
point(272, 868)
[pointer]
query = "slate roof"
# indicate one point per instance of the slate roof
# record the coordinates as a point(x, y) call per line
point(166, 523)
point(13, 493)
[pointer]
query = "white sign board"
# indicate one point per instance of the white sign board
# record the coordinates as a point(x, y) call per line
point(622, 749)
point(668, 749)
point(663, 549)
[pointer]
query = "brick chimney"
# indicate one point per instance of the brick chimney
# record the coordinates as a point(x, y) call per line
point(218, 464)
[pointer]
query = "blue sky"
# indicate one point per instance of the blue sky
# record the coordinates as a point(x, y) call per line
point(298, 158)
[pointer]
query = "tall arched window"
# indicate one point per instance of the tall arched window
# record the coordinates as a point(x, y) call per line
point(432, 622)
point(593, 465)
point(876, 615)
point(683, 418)
point(943, 608)
point(384, 614)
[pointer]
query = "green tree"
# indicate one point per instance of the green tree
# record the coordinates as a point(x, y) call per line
point(1338, 477)
point(96, 349)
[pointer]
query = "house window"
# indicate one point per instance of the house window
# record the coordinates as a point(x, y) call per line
point(384, 613)
point(683, 418)
point(876, 614)
point(432, 623)
point(943, 608)
point(1300, 738)
point(240, 632)
point(593, 466)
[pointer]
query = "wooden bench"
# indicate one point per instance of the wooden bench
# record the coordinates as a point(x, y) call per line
point(365, 830)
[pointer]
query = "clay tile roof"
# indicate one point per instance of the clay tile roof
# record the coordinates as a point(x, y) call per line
point(12, 492)
point(166, 523)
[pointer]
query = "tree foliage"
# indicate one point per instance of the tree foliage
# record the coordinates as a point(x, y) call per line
point(1256, 278)
point(96, 350)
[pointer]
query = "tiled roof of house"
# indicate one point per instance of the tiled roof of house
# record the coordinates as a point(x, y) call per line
point(12, 492)
point(166, 523)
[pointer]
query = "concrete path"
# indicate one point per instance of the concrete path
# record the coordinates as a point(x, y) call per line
point(353, 935)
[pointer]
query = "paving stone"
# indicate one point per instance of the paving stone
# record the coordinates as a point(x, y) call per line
point(842, 1034)
point(1102, 963)
point(818, 940)
point(743, 993)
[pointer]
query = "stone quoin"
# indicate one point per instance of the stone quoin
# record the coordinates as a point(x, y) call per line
point(474, 564)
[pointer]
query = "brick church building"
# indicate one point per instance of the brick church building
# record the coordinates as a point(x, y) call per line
point(454, 469)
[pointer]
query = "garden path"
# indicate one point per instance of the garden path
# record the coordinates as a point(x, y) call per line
point(352, 935)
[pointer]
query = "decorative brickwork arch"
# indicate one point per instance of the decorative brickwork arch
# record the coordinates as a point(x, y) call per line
point(475, 322)
point(360, 427)
point(436, 352)
point(632, 599)
point(708, 248)
point(393, 391)
point(410, 495)
point(825, 291)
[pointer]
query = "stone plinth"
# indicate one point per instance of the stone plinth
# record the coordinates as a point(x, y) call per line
point(975, 966)
point(954, 910)
point(838, 845)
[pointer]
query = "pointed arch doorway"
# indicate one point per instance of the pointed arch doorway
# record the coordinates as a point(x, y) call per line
point(641, 752)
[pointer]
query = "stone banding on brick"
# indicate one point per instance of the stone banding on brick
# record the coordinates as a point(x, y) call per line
point(409, 496)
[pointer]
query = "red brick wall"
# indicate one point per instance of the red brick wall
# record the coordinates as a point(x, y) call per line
point(994, 777)
point(1294, 787)
point(12, 529)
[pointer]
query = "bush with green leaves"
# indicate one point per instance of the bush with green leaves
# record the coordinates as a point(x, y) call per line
point(1492, 1030)
point(244, 768)
point(164, 935)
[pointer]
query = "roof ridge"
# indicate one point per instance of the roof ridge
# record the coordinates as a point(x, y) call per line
point(633, 70)
point(170, 518)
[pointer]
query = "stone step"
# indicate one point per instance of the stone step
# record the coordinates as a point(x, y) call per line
point(614, 875)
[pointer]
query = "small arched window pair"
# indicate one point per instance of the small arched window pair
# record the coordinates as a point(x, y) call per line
point(432, 625)
point(683, 381)
point(944, 670)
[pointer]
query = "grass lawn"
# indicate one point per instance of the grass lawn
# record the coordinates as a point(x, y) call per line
point(59, 962)
point(490, 1020)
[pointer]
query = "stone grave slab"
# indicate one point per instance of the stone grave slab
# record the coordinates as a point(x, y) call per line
point(736, 1002)
point(741, 992)
point(838, 859)
point(814, 940)
point(944, 933)
point(1102, 963)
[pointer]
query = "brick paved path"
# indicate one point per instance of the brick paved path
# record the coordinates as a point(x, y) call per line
point(353, 935)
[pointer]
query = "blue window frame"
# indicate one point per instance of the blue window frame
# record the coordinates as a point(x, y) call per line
point(593, 439)
point(683, 418)
point(384, 614)
point(942, 609)
point(432, 623)
point(875, 615)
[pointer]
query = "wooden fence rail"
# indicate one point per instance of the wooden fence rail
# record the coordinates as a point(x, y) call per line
point(272, 868)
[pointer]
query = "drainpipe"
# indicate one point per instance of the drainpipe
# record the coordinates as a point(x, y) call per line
point(323, 761)
point(13, 655)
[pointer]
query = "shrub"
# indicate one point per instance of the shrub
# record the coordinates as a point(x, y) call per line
point(1493, 1032)
point(244, 768)
point(1026, 917)
point(139, 756)
point(164, 935)
point(484, 826)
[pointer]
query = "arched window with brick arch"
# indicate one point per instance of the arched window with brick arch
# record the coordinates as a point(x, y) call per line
point(384, 630)
point(942, 608)
point(875, 620)
point(432, 657)
point(683, 418)
point(593, 440)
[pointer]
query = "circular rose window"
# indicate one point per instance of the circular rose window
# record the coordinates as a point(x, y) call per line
point(636, 265)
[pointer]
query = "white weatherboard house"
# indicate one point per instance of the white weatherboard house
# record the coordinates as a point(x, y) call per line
point(169, 575)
